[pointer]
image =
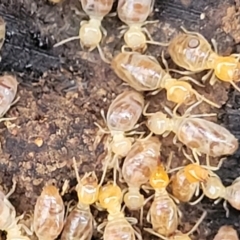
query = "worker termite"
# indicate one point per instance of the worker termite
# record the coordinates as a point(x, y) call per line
point(144, 73)
point(190, 50)
point(79, 224)
point(8, 91)
point(134, 13)
point(141, 160)
point(186, 182)
point(213, 188)
point(200, 135)
point(177, 235)
point(163, 213)
point(226, 232)
point(92, 31)
point(2, 31)
point(49, 225)
point(117, 226)
point(8, 220)
point(122, 117)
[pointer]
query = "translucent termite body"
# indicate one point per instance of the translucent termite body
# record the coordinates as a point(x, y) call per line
point(178, 235)
point(91, 32)
point(141, 160)
point(79, 224)
point(144, 73)
point(190, 50)
point(163, 213)
point(200, 135)
point(214, 189)
point(8, 220)
point(8, 91)
point(134, 13)
point(122, 117)
point(117, 227)
point(48, 214)
point(186, 182)
point(2, 31)
point(226, 233)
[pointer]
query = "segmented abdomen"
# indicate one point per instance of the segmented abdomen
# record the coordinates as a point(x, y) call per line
point(119, 229)
point(190, 51)
point(134, 11)
point(97, 8)
point(141, 72)
point(206, 137)
point(79, 225)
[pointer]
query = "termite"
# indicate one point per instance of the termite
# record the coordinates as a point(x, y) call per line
point(117, 226)
point(8, 220)
point(163, 213)
point(2, 31)
point(48, 216)
point(190, 50)
point(186, 182)
point(177, 235)
point(8, 91)
point(134, 13)
point(213, 188)
point(226, 233)
point(141, 160)
point(200, 135)
point(144, 73)
point(122, 117)
point(79, 223)
point(91, 32)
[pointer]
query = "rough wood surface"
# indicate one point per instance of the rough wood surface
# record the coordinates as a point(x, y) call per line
point(63, 89)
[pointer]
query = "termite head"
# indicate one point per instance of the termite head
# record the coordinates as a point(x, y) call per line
point(178, 91)
point(195, 173)
point(120, 144)
point(227, 69)
point(133, 199)
point(90, 33)
point(110, 197)
point(159, 178)
point(213, 187)
point(88, 189)
point(135, 39)
point(158, 123)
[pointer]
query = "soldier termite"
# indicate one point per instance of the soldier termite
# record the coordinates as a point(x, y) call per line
point(141, 160)
point(117, 226)
point(49, 225)
point(122, 117)
point(79, 223)
point(190, 50)
point(144, 73)
point(92, 31)
point(226, 233)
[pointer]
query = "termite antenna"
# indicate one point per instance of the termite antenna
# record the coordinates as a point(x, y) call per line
point(65, 41)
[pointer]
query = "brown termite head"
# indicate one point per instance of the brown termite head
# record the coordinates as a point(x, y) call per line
point(88, 189)
point(158, 123)
point(50, 224)
point(90, 33)
point(226, 233)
